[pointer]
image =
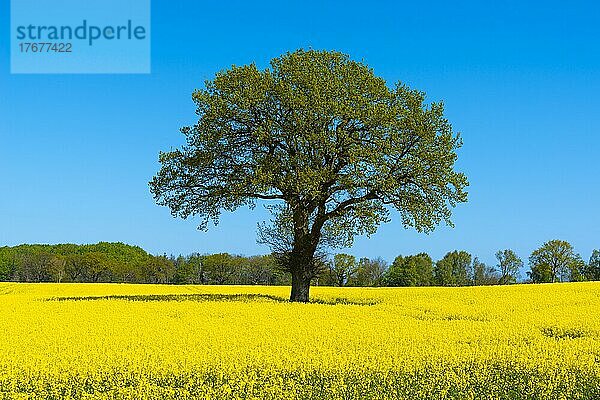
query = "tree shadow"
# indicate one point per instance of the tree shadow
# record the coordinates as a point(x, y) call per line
point(344, 301)
point(199, 297)
point(564, 333)
point(215, 297)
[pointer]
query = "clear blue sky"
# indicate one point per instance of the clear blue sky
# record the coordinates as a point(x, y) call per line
point(521, 82)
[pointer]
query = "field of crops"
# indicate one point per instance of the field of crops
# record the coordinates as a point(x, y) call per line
point(111, 341)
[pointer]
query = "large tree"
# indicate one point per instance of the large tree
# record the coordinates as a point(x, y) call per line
point(453, 269)
point(509, 265)
point(341, 269)
point(415, 270)
point(555, 260)
point(328, 141)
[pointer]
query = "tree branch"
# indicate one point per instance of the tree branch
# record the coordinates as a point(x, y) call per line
point(371, 195)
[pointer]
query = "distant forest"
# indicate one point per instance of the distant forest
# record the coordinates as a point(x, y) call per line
point(555, 261)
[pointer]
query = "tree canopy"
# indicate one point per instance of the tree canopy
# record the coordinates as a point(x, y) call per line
point(509, 265)
point(453, 269)
point(415, 270)
point(556, 261)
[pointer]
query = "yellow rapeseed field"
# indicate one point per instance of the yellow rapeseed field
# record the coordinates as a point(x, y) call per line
point(114, 341)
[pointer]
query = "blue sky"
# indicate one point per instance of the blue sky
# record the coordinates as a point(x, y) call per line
point(520, 82)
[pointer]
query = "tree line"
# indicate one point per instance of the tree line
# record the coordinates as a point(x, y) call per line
point(101, 262)
point(122, 263)
point(554, 261)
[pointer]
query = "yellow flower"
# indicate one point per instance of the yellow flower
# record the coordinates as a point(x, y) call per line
point(115, 341)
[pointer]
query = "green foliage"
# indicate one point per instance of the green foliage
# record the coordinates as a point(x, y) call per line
point(415, 270)
point(315, 128)
point(101, 262)
point(224, 268)
point(118, 262)
point(369, 273)
point(578, 270)
point(159, 270)
point(592, 271)
point(509, 265)
point(220, 268)
point(264, 270)
point(555, 261)
point(453, 269)
point(482, 274)
point(188, 270)
point(8, 263)
point(340, 271)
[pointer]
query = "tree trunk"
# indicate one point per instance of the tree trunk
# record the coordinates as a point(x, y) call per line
point(301, 261)
point(300, 287)
point(302, 267)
